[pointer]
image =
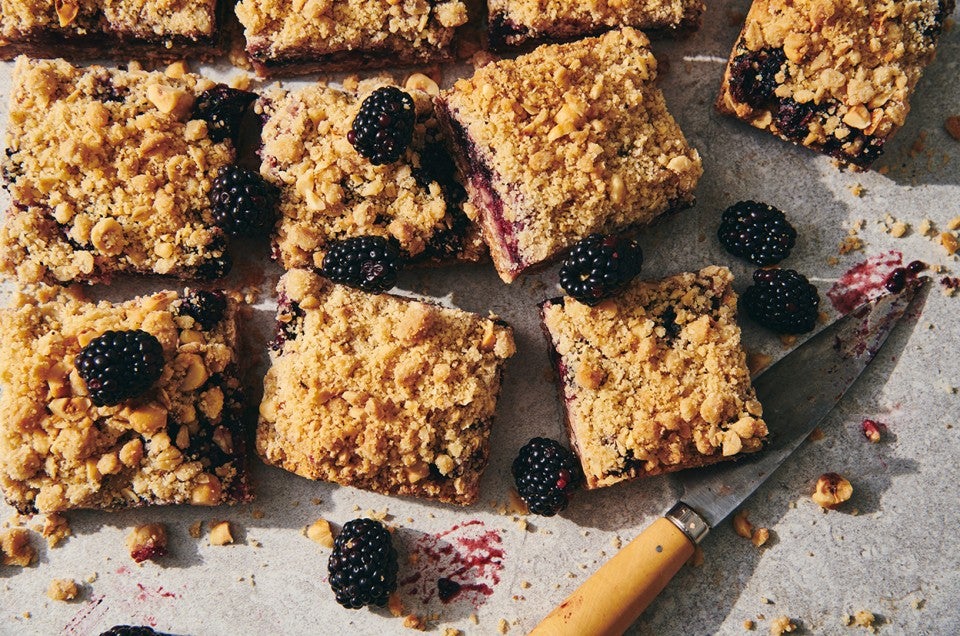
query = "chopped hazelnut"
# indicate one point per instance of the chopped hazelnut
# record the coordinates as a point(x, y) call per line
point(220, 533)
point(760, 536)
point(832, 490)
point(148, 541)
point(741, 525)
point(319, 532)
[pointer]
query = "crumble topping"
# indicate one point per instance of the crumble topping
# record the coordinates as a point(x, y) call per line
point(55, 529)
point(140, 18)
point(557, 18)
point(63, 590)
point(847, 73)
point(381, 392)
point(147, 541)
point(329, 191)
point(569, 139)
point(15, 547)
point(278, 28)
point(181, 442)
point(655, 380)
point(107, 172)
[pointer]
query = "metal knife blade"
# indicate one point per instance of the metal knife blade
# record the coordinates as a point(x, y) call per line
point(797, 393)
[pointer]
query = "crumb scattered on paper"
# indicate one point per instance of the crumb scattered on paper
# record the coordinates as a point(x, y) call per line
point(16, 548)
point(63, 590)
point(220, 533)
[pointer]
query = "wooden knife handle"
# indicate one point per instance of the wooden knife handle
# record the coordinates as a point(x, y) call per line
point(610, 600)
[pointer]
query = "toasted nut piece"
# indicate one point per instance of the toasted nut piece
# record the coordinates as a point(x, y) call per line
point(220, 533)
point(420, 82)
point(197, 372)
point(760, 536)
point(107, 236)
point(832, 490)
point(871, 430)
point(319, 532)
point(131, 453)
point(172, 101)
point(66, 11)
point(207, 492)
point(148, 541)
point(741, 525)
point(148, 419)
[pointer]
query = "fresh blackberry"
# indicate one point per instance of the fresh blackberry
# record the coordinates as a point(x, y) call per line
point(599, 266)
point(370, 263)
point(131, 630)
point(120, 365)
point(752, 76)
point(243, 203)
point(782, 300)
point(363, 564)
point(546, 474)
point(383, 127)
point(205, 307)
point(222, 108)
point(757, 232)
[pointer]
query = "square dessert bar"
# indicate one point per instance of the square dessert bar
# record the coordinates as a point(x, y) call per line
point(380, 392)
point(110, 171)
point(180, 440)
point(654, 380)
point(565, 141)
point(833, 76)
point(515, 22)
point(124, 29)
point(285, 37)
point(329, 191)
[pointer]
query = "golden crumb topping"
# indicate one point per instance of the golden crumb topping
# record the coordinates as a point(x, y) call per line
point(329, 191)
point(655, 380)
point(107, 172)
point(843, 74)
point(276, 27)
point(138, 18)
point(569, 139)
point(172, 445)
point(557, 18)
point(381, 392)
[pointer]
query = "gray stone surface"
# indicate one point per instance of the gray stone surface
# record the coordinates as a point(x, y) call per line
point(893, 549)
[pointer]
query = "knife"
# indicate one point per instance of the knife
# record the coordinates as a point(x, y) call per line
point(796, 393)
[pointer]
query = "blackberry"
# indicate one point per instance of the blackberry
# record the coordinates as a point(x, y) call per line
point(546, 474)
point(782, 300)
point(793, 118)
point(243, 203)
point(120, 365)
point(752, 76)
point(757, 232)
point(222, 108)
point(363, 565)
point(205, 307)
point(599, 266)
point(383, 128)
point(131, 630)
point(370, 263)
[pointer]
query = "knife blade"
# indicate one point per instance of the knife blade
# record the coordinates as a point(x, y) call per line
point(797, 393)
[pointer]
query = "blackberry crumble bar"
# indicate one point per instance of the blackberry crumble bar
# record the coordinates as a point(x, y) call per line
point(835, 77)
point(306, 36)
point(380, 392)
point(124, 29)
point(181, 440)
point(654, 380)
point(515, 22)
point(110, 171)
point(565, 141)
point(330, 191)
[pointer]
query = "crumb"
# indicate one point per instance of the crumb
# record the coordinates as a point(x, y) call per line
point(15, 547)
point(450, 631)
point(760, 536)
point(865, 619)
point(257, 514)
point(63, 590)
point(788, 340)
point(380, 515)
point(525, 584)
point(833, 261)
point(816, 435)
point(749, 625)
point(92, 577)
point(756, 362)
point(316, 501)
point(474, 618)
point(196, 529)
point(871, 430)
point(503, 626)
point(319, 532)
point(856, 190)
point(240, 82)
point(741, 525)
point(55, 529)
point(147, 541)
point(220, 533)
point(516, 505)
point(765, 600)
point(413, 558)
point(926, 228)
point(832, 490)
point(616, 541)
point(917, 603)
point(952, 125)
point(782, 625)
point(395, 605)
point(255, 543)
point(412, 621)
point(954, 223)
point(949, 243)
point(27, 615)
point(522, 524)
